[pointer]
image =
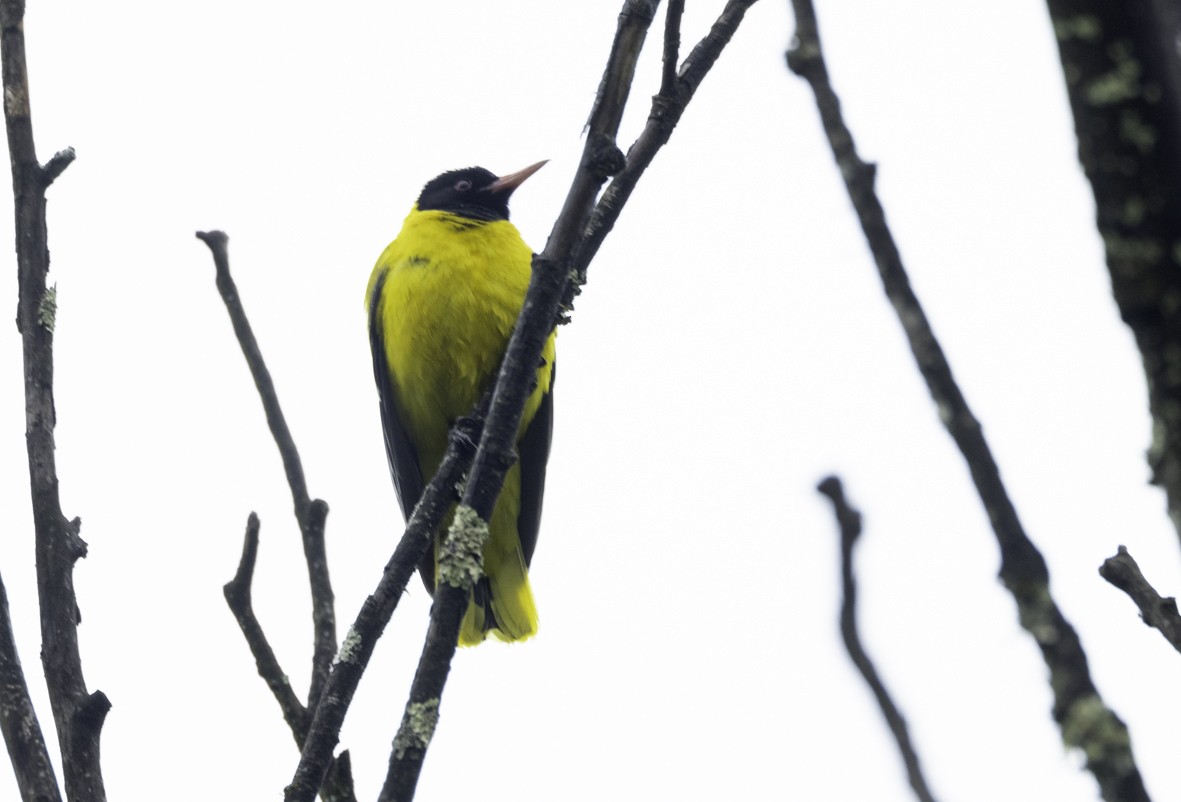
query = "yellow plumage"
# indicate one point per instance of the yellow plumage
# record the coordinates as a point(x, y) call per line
point(443, 299)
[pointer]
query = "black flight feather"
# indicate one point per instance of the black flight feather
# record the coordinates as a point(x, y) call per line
point(402, 456)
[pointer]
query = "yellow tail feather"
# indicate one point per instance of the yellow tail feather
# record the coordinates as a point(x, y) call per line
point(513, 617)
point(505, 587)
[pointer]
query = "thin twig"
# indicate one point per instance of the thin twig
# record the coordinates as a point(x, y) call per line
point(663, 117)
point(1158, 612)
point(218, 242)
point(77, 713)
point(18, 721)
point(849, 522)
point(309, 513)
point(548, 286)
point(1085, 720)
point(672, 46)
point(238, 597)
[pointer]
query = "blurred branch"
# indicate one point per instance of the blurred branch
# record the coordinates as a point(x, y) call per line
point(551, 279)
point(309, 513)
point(849, 521)
point(18, 721)
point(77, 713)
point(1085, 721)
point(1158, 612)
point(1123, 76)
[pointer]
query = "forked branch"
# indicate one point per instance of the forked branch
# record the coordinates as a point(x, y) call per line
point(1158, 612)
point(310, 514)
point(77, 713)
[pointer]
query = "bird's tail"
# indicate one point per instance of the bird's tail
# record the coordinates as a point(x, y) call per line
point(501, 606)
point(502, 601)
point(488, 614)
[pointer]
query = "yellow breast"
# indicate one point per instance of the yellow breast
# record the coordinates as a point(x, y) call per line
point(452, 290)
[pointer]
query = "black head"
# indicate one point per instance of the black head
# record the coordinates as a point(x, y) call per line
point(465, 193)
point(474, 192)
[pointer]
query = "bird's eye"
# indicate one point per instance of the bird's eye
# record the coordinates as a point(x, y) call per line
point(463, 185)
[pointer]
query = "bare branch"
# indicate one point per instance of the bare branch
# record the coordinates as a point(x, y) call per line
point(18, 721)
point(86, 726)
point(600, 159)
point(1085, 720)
point(323, 599)
point(496, 452)
point(218, 243)
point(310, 514)
point(548, 286)
point(378, 608)
point(849, 521)
point(1123, 77)
point(663, 117)
point(77, 714)
point(1158, 612)
point(238, 597)
point(672, 46)
point(57, 165)
point(338, 782)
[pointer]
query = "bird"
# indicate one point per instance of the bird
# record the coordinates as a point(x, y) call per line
point(442, 302)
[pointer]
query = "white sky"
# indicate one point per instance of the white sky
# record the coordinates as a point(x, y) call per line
point(732, 347)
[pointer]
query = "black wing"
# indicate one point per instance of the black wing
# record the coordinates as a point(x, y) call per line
point(533, 450)
point(400, 452)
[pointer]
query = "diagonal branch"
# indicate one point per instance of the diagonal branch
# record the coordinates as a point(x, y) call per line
point(672, 46)
point(218, 242)
point(18, 721)
point(601, 158)
point(1085, 720)
point(238, 597)
point(1123, 77)
point(549, 284)
point(378, 608)
point(496, 451)
point(849, 521)
point(77, 713)
point(663, 117)
point(1158, 612)
point(309, 513)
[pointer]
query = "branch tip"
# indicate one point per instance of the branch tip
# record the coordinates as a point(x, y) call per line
point(92, 711)
point(237, 590)
point(849, 523)
point(56, 165)
point(1158, 612)
point(672, 46)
